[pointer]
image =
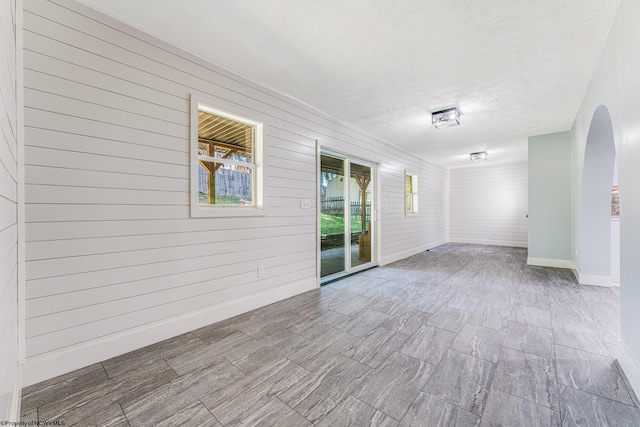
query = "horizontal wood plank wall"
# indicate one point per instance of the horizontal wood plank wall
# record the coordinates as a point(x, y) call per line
point(405, 235)
point(8, 211)
point(488, 204)
point(113, 260)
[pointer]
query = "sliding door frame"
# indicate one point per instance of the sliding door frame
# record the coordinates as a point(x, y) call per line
point(375, 227)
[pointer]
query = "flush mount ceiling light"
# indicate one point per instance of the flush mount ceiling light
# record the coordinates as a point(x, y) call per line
point(445, 118)
point(481, 155)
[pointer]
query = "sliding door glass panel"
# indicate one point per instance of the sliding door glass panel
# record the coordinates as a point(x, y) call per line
point(332, 216)
point(360, 192)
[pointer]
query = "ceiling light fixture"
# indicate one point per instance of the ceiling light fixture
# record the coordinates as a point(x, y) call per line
point(481, 155)
point(445, 118)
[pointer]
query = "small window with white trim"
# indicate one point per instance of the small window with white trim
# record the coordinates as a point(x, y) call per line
point(411, 193)
point(226, 163)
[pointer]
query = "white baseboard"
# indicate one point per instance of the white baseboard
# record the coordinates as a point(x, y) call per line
point(50, 365)
point(406, 254)
point(576, 273)
point(548, 262)
point(16, 397)
point(593, 280)
point(511, 243)
point(615, 277)
point(629, 365)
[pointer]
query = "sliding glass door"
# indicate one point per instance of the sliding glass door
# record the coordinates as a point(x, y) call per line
point(346, 222)
point(332, 219)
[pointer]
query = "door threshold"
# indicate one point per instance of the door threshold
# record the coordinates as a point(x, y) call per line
point(347, 275)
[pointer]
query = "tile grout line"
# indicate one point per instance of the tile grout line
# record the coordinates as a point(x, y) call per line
point(209, 411)
point(124, 414)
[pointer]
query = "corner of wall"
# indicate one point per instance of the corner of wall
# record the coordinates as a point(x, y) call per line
point(591, 279)
point(555, 263)
point(21, 181)
point(16, 399)
point(629, 364)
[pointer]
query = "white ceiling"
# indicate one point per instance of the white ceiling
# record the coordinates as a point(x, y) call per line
point(514, 68)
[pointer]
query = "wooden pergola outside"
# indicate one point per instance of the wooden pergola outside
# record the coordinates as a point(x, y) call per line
point(221, 138)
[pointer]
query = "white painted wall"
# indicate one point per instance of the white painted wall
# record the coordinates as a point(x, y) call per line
point(403, 235)
point(615, 250)
point(594, 251)
point(9, 185)
point(550, 200)
point(113, 260)
point(488, 204)
point(615, 237)
point(616, 85)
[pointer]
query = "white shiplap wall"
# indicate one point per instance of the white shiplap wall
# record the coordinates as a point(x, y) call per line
point(113, 260)
point(9, 373)
point(488, 204)
point(406, 235)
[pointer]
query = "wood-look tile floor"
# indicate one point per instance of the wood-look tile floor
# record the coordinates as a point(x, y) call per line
point(462, 335)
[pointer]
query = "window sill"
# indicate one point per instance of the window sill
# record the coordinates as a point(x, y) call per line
point(226, 212)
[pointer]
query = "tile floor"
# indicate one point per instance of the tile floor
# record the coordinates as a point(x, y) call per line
point(462, 335)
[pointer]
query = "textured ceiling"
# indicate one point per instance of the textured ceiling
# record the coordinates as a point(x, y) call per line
point(514, 68)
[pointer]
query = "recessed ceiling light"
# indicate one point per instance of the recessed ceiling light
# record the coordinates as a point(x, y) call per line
point(481, 155)
point(445, 118)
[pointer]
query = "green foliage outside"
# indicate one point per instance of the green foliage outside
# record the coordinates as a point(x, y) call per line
point(231, 200)
point(203, 199)
point(334, 224)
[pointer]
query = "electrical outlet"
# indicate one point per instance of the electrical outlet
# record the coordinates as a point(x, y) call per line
point(261, 271)
point(305, 204)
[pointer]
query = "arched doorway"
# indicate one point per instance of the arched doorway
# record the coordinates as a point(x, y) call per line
point(595, 212)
